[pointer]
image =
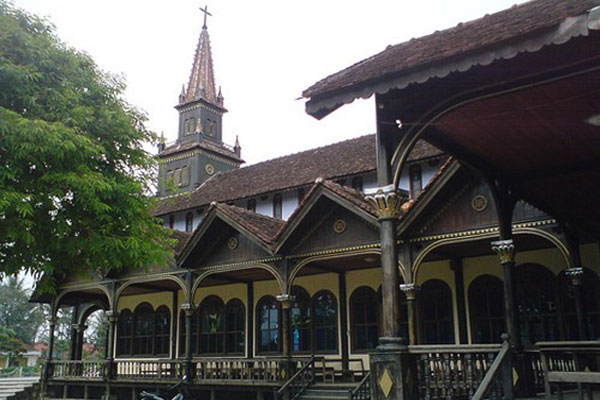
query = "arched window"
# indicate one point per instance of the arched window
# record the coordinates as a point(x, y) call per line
point(177, 177)
point(364, 314)
point(212, 324)
point(189, 222)
point(125, 333)
point(251, 205)
point(324, 307)
point(163, 331)
point(357, 183)
point(416, 180)
point(486, 309)
point(436, 316)
point(535, 288)
point(185, 175)
point(143, 340)
point(235, 327)
point(268, 325)
point(301, 321)
point(277, 206)
point(169, 177)
point(590, 287)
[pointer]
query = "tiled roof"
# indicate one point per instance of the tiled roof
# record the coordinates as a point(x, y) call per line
point(491, 30)
point(264, 227)
point(350, 157)
point(181, 238)
point(202, 144)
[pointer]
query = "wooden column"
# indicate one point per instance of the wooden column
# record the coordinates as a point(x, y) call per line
point(575, 275)
point(456, 265)
point(286, 302)
point(250, 311)
point(506, 251)
point(51, 328)
point(74, 334)
point(344, 322)
point(174, 324)
point(188, 309)
point(410, 291)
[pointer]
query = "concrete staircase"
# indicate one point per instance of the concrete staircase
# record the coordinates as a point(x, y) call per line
point(328, 391)
point(18, 388)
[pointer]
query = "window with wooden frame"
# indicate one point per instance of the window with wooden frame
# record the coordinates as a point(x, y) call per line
point(486, 309)
point(235, 323)
point(324, 309)
point(171, 221)
point(144, 325)
point(437, 314)
point(415, 177)
point(162, 335)
point(268, 316)
point(364, 317)
point(212, 326)
point(277, 206)
point(189, 222)
point(301, 322)
point(251, 205)
point(125, 333)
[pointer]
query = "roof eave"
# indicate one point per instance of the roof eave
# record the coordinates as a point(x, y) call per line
point(319, 105)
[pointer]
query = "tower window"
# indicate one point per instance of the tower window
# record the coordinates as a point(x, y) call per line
point(169, 177)
point(357, 183)
point(416, 180)
point(185, 176)
point(277, 206)
point(177, 177)
point(189, 222)
point(251, 205)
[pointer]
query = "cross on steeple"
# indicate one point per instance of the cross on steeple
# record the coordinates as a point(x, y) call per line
point(206, 13)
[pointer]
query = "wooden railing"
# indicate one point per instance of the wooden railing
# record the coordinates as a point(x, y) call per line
point(451, 371)
point(497, 383)
point(78, 369)
point(298, 383)
point(363, 390)
point(570, 365)
point(147, 369)
point(237, 369)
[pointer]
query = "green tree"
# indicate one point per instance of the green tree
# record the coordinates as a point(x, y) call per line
point(74, 177)
point(17, 313)
point(10, 345)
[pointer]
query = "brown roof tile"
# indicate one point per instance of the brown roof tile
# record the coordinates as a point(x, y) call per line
point(501, 27)
point(264, 227)
point(345, 158)
point(181, 238)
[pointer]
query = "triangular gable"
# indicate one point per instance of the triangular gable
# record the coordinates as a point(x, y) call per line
point(221, 226)
point(311, 225)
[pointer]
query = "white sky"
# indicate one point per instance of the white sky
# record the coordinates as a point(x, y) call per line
point(265, 52)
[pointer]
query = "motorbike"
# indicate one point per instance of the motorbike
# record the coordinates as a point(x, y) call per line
point(178, 388)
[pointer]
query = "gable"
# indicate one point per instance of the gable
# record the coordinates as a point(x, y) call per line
point(329, 225)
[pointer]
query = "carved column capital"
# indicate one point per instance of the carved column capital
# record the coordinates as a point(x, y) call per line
point(112, 315)
point(410, 290)
point(575, 274)
point(286, 300)
point(188, 308)
point(505, 249)
point(386, 200)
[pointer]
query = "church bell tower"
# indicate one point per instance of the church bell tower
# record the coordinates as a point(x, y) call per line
point(199, 151)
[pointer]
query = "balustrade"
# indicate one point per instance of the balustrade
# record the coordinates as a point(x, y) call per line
point(450, 371)
point(78, 369)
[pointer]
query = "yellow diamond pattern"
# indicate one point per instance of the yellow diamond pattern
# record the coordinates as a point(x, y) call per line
point(386, 383)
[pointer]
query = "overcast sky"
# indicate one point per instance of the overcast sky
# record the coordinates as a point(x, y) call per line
point(264, 52)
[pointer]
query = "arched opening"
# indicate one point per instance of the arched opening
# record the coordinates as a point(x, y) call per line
point(486, 309)
point(163, 331)
point(324, 309)
point(143, 328)
point(268, 327)
point(235, 327)
point(436, 316)
point(125, 333)
point(212, 326)
point(365, 310)
point(536, 303)
point(301, 321)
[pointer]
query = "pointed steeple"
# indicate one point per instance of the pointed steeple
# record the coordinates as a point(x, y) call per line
point(202, 79)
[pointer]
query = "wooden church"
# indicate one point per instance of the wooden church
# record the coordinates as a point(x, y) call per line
point(454, 254)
